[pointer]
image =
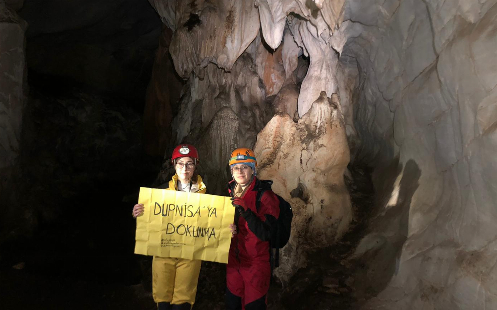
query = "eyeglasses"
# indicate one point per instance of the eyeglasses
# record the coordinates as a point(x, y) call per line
point(187, 165)
point(240, 168)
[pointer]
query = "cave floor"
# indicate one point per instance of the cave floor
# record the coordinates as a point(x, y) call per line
point(21, 289)
point(83, 264)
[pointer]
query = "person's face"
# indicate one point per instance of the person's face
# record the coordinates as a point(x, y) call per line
point(185, 166)
point(242, 173)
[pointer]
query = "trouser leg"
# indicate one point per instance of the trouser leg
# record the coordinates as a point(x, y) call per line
point(259, 304)
point(185, 284)
point(184, 306)
point(233, 302)
point(164, 306)
point(163, 277)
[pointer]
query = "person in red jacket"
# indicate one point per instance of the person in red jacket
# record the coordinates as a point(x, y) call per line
point(248, 272)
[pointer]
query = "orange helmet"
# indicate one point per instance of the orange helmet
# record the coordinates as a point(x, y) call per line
point(242, 155)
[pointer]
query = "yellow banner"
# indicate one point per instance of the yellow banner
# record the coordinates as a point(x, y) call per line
point(184, 225)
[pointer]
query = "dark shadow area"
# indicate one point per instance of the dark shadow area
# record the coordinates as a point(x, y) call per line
point(378, 254)
point(107, 45)
point(69, 238)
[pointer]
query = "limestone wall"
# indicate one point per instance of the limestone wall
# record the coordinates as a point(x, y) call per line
point(425, 109)
point(417, 93)
point(242, 63)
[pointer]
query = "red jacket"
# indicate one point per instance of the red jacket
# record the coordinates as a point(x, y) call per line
point(250, 245)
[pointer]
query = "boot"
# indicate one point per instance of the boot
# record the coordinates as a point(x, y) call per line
point(164, 306)
point(185, 306)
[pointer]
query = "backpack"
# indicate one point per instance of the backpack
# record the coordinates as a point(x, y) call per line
point(280, 233)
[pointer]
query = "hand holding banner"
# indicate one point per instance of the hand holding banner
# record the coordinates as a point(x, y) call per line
point(184, 225)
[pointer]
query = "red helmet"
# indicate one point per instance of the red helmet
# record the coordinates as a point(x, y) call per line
point(185, 150)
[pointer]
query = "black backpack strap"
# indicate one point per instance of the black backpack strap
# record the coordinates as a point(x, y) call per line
point(277, 248)
point(261, 186)
point(258, 197)
point(274, 251)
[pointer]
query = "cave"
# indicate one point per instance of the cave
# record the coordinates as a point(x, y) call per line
point(376, 120)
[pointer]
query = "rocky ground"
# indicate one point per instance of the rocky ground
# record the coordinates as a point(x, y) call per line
point(328, 281)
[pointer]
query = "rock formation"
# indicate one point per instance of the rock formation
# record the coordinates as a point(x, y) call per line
point(162, 95)
point(232, 74)
point(87, 62)
point(12, 97)
point(417, 87)
point(425, 102)
point(307, 160)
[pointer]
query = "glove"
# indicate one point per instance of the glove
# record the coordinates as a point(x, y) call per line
point(239, 203)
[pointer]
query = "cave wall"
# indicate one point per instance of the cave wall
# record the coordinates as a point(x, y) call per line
point(242, 63)
point(88, 64)
point(107, 46)
point(307, 160)
point(12, 98)
point(421, 81)
point(416, 83)
point(161, 100)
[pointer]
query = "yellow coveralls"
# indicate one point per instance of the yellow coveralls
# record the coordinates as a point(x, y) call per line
point(175, 279)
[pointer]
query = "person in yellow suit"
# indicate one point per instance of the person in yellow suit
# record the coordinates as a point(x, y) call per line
point(175, 279)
